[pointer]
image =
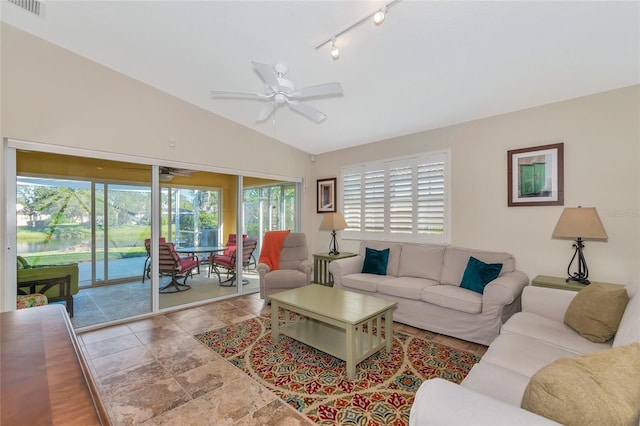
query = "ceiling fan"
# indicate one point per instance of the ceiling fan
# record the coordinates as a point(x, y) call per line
point(167, 173)
point(279, 91)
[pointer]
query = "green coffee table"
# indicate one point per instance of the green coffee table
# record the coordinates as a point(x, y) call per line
point(334, 322)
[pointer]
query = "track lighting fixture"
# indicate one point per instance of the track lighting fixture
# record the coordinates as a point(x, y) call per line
point(378, 18)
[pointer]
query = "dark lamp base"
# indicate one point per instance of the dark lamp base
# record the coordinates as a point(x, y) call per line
point(581, 280)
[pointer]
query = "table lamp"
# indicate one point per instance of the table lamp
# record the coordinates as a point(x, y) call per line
point(579, 223)
point(333, 222)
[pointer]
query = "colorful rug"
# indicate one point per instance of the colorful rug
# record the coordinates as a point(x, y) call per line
point(315, 383)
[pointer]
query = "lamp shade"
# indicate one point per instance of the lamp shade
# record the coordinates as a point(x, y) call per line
point(332, 222)
point(580, 222)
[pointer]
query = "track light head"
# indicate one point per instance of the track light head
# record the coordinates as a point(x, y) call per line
point(378, 17)
point(335, 53)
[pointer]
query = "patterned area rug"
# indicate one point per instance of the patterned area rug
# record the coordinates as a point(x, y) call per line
point(315, 383)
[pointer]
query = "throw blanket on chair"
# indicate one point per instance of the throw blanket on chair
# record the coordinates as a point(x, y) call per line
point(271, 248)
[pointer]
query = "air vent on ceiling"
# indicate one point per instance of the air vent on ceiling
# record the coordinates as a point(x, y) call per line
point(34, 6)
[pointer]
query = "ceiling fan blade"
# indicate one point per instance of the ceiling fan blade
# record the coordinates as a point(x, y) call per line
point(268, 75)
point(266, 112)
point(182, 172)
point(233, 94)
point(307, 111)
point(327, 89)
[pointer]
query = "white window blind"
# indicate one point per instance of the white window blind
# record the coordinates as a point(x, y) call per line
point(401, 199)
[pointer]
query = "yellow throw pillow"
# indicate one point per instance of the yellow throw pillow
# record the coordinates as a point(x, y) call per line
point(596, 389)
point(595, 312)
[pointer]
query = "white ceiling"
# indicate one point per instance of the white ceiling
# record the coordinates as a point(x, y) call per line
point(430, 64)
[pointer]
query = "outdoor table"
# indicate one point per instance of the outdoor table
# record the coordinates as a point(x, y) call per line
point(210, 250)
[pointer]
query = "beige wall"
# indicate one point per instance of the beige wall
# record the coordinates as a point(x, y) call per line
point(602, 157)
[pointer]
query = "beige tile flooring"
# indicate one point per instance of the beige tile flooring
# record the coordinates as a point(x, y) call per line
point(153, 372)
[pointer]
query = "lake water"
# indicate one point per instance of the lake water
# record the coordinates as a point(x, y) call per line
point(53, 245)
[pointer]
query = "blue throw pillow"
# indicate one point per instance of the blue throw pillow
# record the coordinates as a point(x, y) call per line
point(478, 274)
point(375, 261)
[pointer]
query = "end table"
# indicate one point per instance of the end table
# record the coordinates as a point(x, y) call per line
point(321, 274)
point(562, 284)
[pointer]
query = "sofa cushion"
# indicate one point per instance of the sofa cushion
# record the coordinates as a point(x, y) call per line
point(422, 261)
point(596, 389)
point(405, 287)
point(451, 297)
point(497, 382)
point(523, 354)
point(394, 253)
point(478, 274)
point(455, 262)
point(375, 261)
point(553, 332)
point(596, 311)
point(364, 282)
point(629, 329)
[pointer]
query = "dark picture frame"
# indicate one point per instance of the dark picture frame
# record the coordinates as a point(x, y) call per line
point(326, 197)
point(536, 176)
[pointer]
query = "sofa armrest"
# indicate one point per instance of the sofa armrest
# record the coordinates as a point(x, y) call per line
point(341, 267)
point(440, 402)
point(305, 266)
point(547, 302)
point(263, 269)
point(505, 289)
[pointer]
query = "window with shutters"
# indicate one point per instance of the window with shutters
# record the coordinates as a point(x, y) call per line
point(400, 199)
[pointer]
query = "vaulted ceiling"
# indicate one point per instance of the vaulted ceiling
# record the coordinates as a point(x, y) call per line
point(430, 64)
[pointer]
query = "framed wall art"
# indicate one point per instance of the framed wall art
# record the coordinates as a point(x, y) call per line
point(536, 176)
point(327, 195)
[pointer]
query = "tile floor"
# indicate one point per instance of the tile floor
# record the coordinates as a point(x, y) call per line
point(153, 372)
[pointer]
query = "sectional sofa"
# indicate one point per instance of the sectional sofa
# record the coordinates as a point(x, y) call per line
point(541, 363)
point(425, 282)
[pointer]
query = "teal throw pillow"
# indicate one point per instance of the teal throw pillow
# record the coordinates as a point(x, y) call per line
point(375, 261)
point(478, 274)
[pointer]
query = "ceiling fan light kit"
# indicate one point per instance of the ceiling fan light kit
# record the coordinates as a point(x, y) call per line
point(280, 91)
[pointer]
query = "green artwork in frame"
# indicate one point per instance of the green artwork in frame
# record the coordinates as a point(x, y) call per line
point(536, 175)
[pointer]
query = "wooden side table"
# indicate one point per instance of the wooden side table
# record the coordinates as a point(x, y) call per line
point(321, 274)
point(560, 283)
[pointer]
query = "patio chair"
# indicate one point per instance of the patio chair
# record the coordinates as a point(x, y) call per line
point(229, 261)
point(171, 263)
point(231, 246)
point(146, 272)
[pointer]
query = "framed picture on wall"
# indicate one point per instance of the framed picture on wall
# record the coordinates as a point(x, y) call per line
point(327, 195)
point(536, 176)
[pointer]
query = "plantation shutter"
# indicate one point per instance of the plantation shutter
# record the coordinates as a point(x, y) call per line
point(352, 200)
point(374, 200)
point(403, 199)
point(430, 198)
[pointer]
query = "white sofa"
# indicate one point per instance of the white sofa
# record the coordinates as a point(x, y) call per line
point(425, 282)
point(492, 392)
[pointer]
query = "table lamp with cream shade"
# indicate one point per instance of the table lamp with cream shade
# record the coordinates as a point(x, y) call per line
point(333, 222)
point(579, 223)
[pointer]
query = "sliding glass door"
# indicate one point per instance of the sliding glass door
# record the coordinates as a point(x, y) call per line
point(96, 214)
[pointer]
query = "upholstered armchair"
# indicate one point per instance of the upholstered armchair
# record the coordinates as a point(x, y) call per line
point(295, 267)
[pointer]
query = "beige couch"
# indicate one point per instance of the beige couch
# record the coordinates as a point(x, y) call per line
point(425, 282)
point(493, 391)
